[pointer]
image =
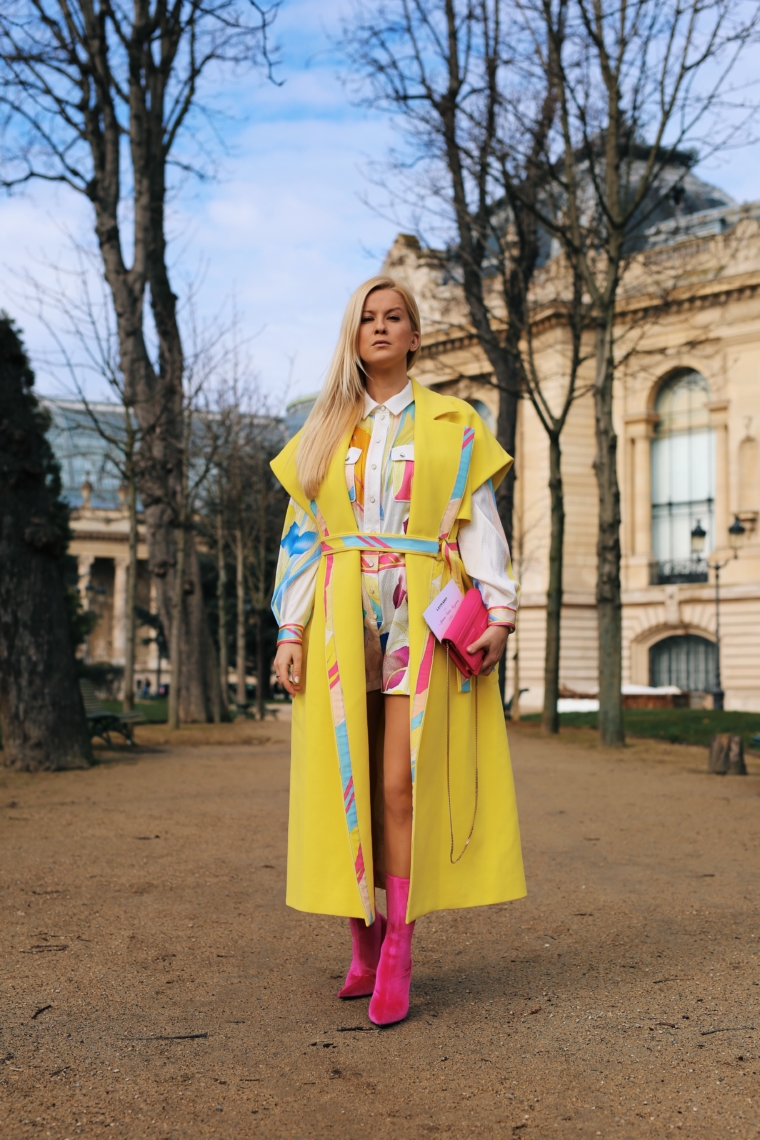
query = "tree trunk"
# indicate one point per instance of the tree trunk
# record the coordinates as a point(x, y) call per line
point(219, 712)
point(221, 595)
point(503, 677)
point(129, 614)
point(155, 394)
point(506, 434)
point(516, 675)
point(261, 686)
point(608, 599)
point(41, 712)
point(550, 719)
point(240, 582)
point(176, 639)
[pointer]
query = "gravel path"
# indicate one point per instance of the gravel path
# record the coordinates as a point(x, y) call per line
point(156, 985)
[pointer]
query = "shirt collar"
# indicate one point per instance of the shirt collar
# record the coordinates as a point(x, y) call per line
point(395, 404)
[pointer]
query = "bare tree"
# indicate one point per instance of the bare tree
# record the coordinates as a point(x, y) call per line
point(441, 67)
point(79, 318)
point(84, 84)
point(574, 315)
point(457, 77)
point(196, 459)
point(220, 509)
point(267, 508)
point(243, 516)
point(637, 85)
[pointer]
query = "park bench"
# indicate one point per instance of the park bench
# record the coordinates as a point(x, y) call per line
point(101, 722)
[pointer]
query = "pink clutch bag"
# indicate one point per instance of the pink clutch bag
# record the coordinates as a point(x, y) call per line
point(468, 624)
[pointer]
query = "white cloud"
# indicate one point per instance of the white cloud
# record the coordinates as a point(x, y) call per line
point(284, 229)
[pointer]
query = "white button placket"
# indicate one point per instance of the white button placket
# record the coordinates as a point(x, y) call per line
point(373, 491)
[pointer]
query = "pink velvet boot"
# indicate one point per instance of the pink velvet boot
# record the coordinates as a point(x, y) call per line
point(366, 942)
point(390, 1001)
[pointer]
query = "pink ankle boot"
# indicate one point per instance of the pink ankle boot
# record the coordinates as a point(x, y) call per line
point(390, 1001)
point(366, 942)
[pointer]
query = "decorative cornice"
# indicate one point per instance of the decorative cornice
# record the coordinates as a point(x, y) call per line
point(552, 315)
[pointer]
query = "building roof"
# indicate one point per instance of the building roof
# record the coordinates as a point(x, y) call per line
point(83, 453)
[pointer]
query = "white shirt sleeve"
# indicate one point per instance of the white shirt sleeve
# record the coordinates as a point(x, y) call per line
point(485, 554)
point(296, 576)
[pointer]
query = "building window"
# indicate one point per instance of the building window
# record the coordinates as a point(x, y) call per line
point(683, 478)
point(687, 661)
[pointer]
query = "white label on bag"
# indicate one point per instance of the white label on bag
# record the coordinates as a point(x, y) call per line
point(441, 610)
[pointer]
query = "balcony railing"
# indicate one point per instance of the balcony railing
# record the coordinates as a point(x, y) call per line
point(679, 570)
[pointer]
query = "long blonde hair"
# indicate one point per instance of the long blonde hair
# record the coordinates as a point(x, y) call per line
point(340, 404)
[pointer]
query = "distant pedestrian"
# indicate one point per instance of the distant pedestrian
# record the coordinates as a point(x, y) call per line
point(400, 766)
point(146, 690)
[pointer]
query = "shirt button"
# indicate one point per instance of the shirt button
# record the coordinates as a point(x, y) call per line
point(372, 498)
point(374, 467)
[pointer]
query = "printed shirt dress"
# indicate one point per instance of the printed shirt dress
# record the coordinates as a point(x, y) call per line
point(379, 478)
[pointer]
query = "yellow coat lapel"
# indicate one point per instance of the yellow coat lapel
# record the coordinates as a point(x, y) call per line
point(437, 449)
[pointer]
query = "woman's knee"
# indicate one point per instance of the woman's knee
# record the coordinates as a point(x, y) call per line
point(397, 793)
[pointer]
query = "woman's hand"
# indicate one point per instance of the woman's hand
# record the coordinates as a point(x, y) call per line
point(494, 641)
point(288, 662)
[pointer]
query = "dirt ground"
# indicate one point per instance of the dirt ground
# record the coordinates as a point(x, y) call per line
point(155, 984)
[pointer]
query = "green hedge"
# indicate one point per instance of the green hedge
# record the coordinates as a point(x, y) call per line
point(153, 711)
point(679, 726)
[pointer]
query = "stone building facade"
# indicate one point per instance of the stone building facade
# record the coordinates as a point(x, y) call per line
point(100, 536)
point(687, 414)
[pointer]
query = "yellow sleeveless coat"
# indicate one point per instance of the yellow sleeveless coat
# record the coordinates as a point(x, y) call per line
point(330, 867)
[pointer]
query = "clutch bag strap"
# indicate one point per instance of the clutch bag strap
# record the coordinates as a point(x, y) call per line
point(474, 681)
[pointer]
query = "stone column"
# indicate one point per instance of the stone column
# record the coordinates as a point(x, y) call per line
point(153, 651)
point(639, 430)
point(119, 637)
point(719, 417)
point(84, 568)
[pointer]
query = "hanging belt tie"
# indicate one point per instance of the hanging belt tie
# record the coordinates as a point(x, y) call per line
point(391, 544)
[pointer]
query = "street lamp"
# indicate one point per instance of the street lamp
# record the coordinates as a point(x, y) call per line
point(698, 536)
point(736, 533)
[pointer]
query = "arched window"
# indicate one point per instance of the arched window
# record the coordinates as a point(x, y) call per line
point(687, 661)
point(683, 477)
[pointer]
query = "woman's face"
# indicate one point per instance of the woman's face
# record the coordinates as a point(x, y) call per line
point(386, 335)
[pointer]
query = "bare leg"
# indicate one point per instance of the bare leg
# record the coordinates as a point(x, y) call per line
point(397, 788)
point(390, 999)
point(374, 712)
point(366, 941)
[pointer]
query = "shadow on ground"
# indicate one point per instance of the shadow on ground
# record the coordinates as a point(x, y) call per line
point(155, 984)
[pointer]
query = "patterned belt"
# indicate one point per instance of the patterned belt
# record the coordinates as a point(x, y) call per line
point(390, 544)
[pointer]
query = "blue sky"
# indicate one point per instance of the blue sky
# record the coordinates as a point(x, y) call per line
point(284, 229)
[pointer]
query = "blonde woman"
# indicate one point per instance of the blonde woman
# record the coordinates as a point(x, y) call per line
point(400, 772)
